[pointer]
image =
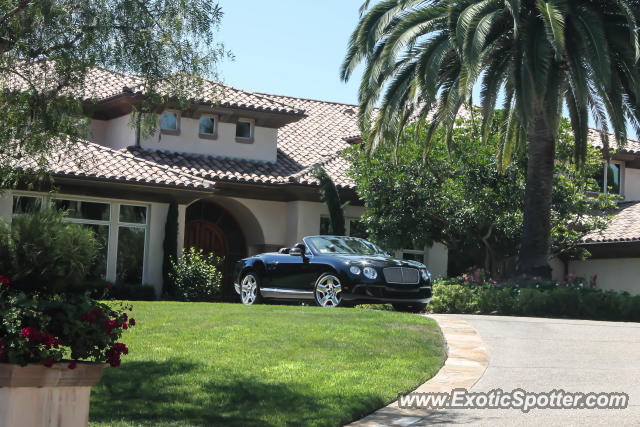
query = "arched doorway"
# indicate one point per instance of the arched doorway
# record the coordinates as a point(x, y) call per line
point(213, 229)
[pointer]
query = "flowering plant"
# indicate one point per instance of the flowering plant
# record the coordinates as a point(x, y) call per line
point(46, 329)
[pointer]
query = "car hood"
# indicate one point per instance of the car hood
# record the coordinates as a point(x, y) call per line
point(380, 261)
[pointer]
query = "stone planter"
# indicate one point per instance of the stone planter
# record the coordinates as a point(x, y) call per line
point(37, 396)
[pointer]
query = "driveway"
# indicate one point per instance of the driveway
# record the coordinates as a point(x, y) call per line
point(546, 354)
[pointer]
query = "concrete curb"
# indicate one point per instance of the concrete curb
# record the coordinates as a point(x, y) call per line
point(466, 362)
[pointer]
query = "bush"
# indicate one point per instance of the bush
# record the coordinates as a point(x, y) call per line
point(45, 328)
point(573, 297)
point(101, 289)
point(44, 315)
point(196, 277)
point(40, 252)
point(453, 298)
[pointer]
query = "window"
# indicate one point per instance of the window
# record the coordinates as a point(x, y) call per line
point(412, 255)
point(609, 180)
point(121, 231)
point(325, 223)
point(25, 204)
point(77, 209)
point(208, 127)
point(132, 230)
point(353, 227)
point(356, 228)
point(244, 130)
point(95, 216)
point(170, 122)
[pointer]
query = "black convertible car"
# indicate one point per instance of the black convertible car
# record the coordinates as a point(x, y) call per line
point(333, 271)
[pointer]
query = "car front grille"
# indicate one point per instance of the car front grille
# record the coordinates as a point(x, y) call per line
point(401, 275)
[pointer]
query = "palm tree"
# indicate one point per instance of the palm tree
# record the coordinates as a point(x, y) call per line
point(423, 57)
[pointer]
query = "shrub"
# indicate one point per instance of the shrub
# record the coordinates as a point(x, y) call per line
point(40, 252)
point(196, 277)
point(44, 328)
point(573, 297)
point(453, 298)
point(101, 289)
point(44, 315)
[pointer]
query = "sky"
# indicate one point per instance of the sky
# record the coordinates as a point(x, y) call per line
point(293, 47)
point(289, 47)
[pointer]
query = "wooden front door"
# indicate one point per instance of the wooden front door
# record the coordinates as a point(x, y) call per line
point(207, 236)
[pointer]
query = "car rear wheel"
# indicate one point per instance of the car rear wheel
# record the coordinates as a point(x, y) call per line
point(328, 291)
point(250, 289)
point(409, 308)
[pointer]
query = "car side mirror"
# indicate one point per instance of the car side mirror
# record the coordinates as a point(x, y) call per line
point(297, 251)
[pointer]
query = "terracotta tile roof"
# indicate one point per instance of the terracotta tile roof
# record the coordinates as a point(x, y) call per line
point(101, 84)
point(222, 168)
point(230, 97)
point(632, 146)
point(317, 138)
point(624, 227)
point(85, 159)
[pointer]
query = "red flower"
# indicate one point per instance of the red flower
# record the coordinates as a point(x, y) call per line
point(113, 354)
point(92, 315)
point(110, 325)
point(49, 363)
point(109, 288)
point(4, 282)
point(132, 322)
point(72, 365)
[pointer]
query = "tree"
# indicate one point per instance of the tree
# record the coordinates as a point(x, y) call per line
point(329, 193)
point(170, 247)
point(460, 197)
point(540, 55)
point(49, 49)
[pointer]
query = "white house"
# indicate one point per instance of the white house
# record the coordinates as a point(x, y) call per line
point(616, 250)
point(239, 170)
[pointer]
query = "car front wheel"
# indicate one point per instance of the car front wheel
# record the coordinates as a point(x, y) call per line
point(328, 291)
point(250, 289)
point(409, 308)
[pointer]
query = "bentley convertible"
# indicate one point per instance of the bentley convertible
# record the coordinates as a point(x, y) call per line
point(333, 271)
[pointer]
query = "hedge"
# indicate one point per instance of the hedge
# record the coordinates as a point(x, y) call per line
point(573, 298)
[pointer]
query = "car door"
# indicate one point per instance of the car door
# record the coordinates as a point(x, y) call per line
point(286, 271)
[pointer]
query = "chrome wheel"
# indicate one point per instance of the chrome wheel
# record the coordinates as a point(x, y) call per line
point(249, 289)
point(328, 291)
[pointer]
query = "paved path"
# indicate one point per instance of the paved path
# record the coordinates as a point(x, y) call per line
point(546, 354)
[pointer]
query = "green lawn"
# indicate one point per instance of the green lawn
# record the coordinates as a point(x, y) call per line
point(226, 364)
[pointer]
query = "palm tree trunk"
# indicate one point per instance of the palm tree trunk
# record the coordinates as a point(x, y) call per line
point(533, 259)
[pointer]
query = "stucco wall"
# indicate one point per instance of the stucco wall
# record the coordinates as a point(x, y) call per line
point(263, 148)
point(155, 250)
point(6, 205)
point(115, 133)
point(304, 218)
point(437, 259)
point(621, 274)
point(632, 184)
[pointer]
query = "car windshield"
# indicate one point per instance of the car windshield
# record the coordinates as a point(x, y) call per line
point(344, 245)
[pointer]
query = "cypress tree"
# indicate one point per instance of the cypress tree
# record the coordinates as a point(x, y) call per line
point(329, 194)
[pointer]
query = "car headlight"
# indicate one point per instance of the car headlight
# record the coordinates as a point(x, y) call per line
point(425, 275)
point(354, 270)
point(370, 273)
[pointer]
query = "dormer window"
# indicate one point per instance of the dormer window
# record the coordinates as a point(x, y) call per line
point(244, 130)
point(170, 122)
point(208, 127)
